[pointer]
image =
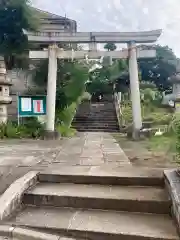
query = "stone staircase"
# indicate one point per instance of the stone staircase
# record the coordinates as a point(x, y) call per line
point(101, 118)
point(92, 203)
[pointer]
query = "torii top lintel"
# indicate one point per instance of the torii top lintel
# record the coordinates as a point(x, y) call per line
point(97, 37)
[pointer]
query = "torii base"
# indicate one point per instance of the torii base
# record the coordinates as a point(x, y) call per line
point(51, 135)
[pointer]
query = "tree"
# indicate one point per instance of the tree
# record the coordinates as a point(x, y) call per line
point(158, 70)
point(71, 79)
point(102, 80)
point(110, 46)
point(15, 16)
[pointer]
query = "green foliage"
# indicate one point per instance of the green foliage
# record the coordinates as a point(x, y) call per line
point(86, 97)
point(127, 113)
point(151, 96)
point(102, 80)
point(174, 130)
point(159, 69)
point(15, 16)
point(66, 131)
point(30, 129)
point(175, 121)
point(150, 113)
point(110, 46)
point(158, 118)
point(144, 85)
point(71, 78)
point(99, 84)
point(65, 117)
point(33, 127)
point(8, 131)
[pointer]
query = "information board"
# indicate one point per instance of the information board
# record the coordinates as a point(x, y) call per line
point(29, 106)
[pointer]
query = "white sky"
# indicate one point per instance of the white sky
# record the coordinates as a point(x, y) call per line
point(122, 15)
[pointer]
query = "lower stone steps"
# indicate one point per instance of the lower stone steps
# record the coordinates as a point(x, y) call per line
point(88, 196)
point(98, 224)
point(105, 175)
point(98, 203)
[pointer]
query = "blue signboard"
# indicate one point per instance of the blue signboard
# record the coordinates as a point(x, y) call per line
point(31, 106)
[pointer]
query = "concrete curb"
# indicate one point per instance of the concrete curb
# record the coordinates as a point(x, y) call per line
point(12, 197)
point(25, 234)
point(172, 183)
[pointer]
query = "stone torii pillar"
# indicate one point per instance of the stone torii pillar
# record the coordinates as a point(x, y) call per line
point(51, 92)
point(134, 87)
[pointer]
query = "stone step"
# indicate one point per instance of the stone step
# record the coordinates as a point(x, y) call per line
point(97, 224)
point(94, 127)
point(98, 116)
point(97, 121)
point(120, 198)
point(97, 130)
point(108, 118)
point(111, 122)
point(105, 175)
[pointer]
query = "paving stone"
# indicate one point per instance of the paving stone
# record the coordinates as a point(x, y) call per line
point(87, 149)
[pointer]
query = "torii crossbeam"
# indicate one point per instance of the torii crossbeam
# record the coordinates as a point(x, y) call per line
point(92, 38)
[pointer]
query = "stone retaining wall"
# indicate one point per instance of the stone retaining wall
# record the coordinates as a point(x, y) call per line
point(172, 183)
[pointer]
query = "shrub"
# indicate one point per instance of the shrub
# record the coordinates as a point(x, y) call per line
point(174, 133)
point(159, 118)
point(86, 97)
point(2, 130)
point(12, 131)
point(31, 128)
point(9, 130)
point(66, 131)
point(66, 116)
point(174, 124)
point(127, 114)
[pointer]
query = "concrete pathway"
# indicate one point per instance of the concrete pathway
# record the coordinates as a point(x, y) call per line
point(17, 157)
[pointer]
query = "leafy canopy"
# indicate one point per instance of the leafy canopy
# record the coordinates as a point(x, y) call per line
point(159, 69)
point(15, 15)
point(110, 46)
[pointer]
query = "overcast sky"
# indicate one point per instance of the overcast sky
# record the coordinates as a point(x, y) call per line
point(122, 15)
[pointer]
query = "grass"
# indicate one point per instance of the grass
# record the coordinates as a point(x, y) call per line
point(164, 143)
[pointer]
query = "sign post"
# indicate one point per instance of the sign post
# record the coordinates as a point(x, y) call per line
point(31, 106)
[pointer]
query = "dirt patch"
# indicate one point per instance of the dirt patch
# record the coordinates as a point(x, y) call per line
point(145, 154)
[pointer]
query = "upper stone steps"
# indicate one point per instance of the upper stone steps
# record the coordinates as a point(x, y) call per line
point(98, 224)
point(99, 114)
point(120, 198)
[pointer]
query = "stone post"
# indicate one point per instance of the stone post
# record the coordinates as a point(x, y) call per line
point(5, 99)
point(175, 80)
point(51, 92)
point(134, 87)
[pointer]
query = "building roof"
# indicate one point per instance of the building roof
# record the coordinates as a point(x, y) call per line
point(45, 14)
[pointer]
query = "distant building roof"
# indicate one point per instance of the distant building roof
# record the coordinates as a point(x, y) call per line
point(45, 14)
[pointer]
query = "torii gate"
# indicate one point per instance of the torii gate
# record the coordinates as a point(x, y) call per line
point(53, 53)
